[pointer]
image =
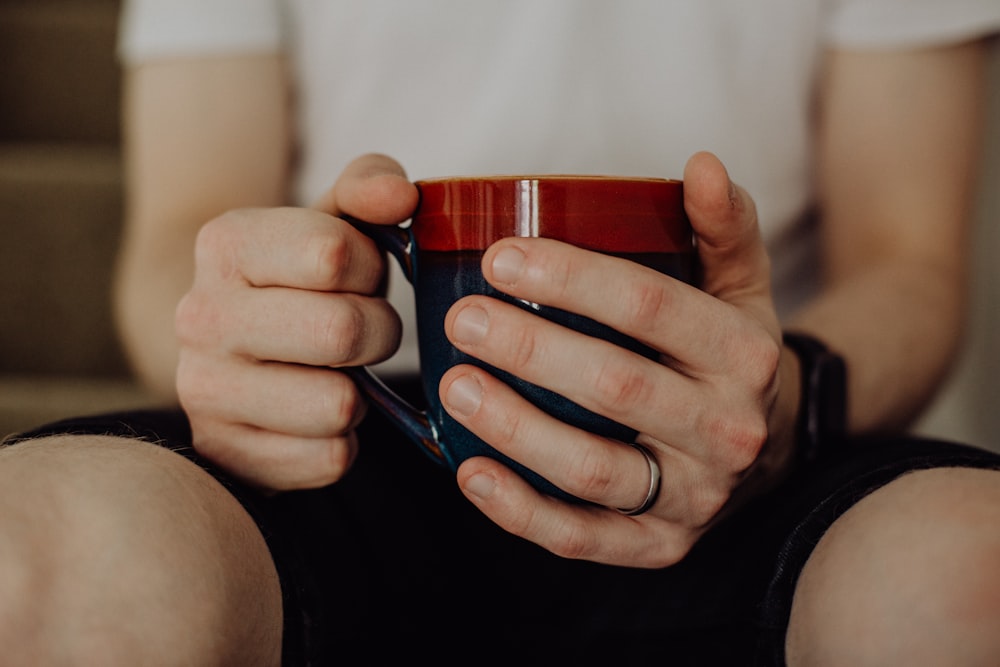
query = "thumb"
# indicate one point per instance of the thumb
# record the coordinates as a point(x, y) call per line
point(373, 188)
point(734, 262)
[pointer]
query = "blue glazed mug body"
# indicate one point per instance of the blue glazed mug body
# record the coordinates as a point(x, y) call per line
point(641, 220)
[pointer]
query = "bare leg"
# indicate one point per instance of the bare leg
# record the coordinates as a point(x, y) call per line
point(117, 552)
point(909, 576)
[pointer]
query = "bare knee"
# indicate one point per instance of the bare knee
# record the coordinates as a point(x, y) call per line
point(909, 576)
point(120, 552)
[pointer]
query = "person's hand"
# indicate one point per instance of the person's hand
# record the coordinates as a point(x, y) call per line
point(281, 298)
point(704, 411)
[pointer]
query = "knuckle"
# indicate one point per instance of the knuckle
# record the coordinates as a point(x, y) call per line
point(519, 520)
point(505, 429)
point(664, 558)
point(331, 257)
point(215, 245)
point(194, 318)
point(338, 333)
point(764, 357)
point(751, 436)
point(558, 276)
point(666, 552)
point(340, 453)
point(187, 381)
point(674, 551)
point(519, 516)
point(524, 349)
point(210, 236)
point(212, 438)
point(757, 355)
point(618, 386)
point(737, 439)
point(186, 319)
point(592, 474)
point(342, 403)
point(212, 448)
point(706, 503)
point(645, 304)
point(574, 542)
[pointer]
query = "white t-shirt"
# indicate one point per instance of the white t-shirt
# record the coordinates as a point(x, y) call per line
point(633, 87)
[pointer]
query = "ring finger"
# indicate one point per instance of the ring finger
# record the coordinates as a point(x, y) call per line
point(584, 465)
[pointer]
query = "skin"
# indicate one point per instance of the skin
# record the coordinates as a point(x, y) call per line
point(118, 552)
point(908, 576)
point(895, 285)
point(268, 403)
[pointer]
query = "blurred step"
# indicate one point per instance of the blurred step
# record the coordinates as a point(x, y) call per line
point(60, 220)
point(59, 77)
point(30, 401)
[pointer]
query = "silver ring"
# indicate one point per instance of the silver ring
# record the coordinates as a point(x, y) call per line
point(654, 485)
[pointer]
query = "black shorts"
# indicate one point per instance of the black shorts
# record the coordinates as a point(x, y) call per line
point(393, 561)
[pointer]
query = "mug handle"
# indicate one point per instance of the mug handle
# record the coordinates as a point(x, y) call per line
point(413, 422)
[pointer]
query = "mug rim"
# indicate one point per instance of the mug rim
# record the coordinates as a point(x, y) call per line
point(509, 178)
point(616, 214)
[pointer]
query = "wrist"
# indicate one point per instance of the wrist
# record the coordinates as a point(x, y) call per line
point(784, 416)
point(820, 424)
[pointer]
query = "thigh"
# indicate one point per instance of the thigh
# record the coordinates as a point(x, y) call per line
point(116, 551)
point(909, 575)
point(880, 488)
point(394, 555)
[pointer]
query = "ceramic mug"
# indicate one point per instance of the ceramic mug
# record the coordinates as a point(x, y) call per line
point(440, 251)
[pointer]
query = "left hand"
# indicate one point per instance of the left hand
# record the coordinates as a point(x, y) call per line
point(707, 411)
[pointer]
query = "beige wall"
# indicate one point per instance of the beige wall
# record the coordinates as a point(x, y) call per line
point(969, 407)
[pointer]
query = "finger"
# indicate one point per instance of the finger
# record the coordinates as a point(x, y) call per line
point(276, 461)
point(570, 531)
point(582, 464)
point(298, 326)
point(732, 255)
point(286, 398)
point(602, 471)
point(664, 313)
point(373, 188)
point(692, 491)
point(288, 247)
point(597, 375)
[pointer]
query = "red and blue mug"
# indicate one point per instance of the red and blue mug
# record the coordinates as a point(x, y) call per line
point(457, 219)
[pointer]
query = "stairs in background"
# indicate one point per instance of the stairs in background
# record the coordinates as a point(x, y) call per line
point(60, 211)
point(59, 79)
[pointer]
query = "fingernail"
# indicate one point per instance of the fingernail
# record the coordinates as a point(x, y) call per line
point(470, 325)
point(508, 265)
point(734, 197)
point(464, 395)
point(480, 485)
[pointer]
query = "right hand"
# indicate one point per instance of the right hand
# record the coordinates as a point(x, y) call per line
point(281, 298)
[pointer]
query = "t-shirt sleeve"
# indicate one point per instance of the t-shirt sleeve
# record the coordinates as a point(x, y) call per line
point(913, 23)
point(156, 29)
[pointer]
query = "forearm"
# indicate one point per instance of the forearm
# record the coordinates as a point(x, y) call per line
point(898, 143)
point(898, 326)
point(192, 152)
point(149, 283)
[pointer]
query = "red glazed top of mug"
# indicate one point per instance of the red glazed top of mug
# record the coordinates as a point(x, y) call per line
point(603, 213)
